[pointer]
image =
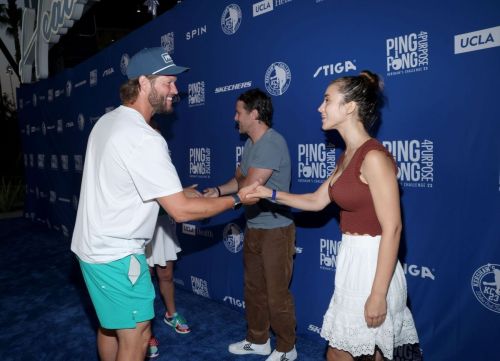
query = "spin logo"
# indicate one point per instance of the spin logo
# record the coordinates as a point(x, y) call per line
point(196, 93)
point(230, 20)
point(167, 42)
point(237, 155)
point(486, 286)
point(200, 286)
point(314, 328)
point(328, 251)
point(233, 238)
point(316, 161)
point(234, 302)
point(277, 78)
point(196, 32)
point(415, 160)
point(199, 162)
point(407, 53)
point(419, 271)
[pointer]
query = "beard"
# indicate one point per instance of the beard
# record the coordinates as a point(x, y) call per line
point(158, 102)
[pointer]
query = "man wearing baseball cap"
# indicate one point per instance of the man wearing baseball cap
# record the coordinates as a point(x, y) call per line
point(127, 174)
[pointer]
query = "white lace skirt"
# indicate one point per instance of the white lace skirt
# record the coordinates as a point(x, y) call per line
point(164, 245)
point(344, 324)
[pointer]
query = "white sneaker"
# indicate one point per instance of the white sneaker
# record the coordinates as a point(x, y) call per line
point(246, 348)
point(283, 356)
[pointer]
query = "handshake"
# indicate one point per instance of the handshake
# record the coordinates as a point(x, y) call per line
point(249, 195)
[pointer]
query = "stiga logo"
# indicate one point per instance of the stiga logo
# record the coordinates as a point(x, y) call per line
point(419, 271)
point(239, 152)
point(124, 63)
point(328, 251)
point(477, 40)
point(337, 68)
point(167, 42)
point(41, 161)
point(415, 159)
point(407, 53)
point(486, 286)
point(196, 94)
point(316, 161)
point(277, 78)
point(230, 20)
point(93, 78)
point(234, 301)
point(199, 286)
point(233, 238)
point(231, 87)
point(199, 162)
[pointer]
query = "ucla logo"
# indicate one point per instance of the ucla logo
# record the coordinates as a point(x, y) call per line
point(124, 63)
point(81, 121)
point(233, 238)
point(167, 42)
point(231, 19)
point(69, 87)
point(486, 286)
point(477, 40)
point(278, 78)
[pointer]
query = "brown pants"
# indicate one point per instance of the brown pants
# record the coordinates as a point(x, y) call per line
point(268, 259)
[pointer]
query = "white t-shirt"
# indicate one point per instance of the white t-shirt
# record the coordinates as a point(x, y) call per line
point(127, 166)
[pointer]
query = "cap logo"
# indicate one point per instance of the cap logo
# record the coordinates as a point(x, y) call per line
point(166, 58)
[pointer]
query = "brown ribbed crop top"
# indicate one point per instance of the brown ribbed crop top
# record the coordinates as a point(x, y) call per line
point(357, 213)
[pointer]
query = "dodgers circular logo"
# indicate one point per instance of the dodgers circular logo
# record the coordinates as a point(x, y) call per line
point(233, 237)
point(124, 63)
point(486, 286)
point(278, 78)
point(230, 20)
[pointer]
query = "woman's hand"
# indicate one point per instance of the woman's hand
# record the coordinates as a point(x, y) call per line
point(375, 310)
point(260, 192)
point(192, 192)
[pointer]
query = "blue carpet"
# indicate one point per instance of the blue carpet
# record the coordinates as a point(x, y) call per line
point(46, 314)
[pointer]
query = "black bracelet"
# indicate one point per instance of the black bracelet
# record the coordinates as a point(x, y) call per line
point(218, 191)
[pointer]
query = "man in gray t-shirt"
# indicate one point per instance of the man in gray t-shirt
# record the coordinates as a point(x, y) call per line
point(269, 244)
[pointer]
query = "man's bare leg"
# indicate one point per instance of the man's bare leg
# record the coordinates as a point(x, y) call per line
point(107, 344)
point(133, 342)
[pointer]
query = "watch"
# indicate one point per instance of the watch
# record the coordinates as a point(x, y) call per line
point(237, 201)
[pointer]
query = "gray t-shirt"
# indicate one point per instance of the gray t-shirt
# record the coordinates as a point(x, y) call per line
point(269, 152)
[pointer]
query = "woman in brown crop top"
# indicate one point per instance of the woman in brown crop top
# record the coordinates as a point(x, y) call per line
point(367, 314)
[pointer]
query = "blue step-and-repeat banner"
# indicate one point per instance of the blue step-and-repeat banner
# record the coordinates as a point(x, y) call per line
point(441, 66)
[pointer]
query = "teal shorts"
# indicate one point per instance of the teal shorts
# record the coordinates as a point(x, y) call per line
point(118, 303)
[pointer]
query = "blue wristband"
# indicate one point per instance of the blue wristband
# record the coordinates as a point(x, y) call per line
point(273, 197)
